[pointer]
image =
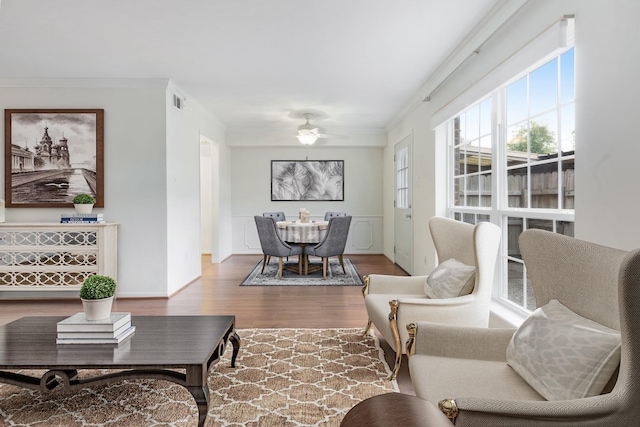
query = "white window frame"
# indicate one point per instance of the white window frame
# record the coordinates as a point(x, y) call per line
point(499, 212)
point(402, 179)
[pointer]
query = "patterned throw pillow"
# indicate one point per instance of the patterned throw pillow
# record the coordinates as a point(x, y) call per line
point(563, 355)
point(450, 279)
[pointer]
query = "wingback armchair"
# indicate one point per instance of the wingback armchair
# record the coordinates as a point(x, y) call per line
point(473, 375)
point(394, 301)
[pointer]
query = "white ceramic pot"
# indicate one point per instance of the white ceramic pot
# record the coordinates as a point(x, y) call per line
point(97, 309)
point(83, 208)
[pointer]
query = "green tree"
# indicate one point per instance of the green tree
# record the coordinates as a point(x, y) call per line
point(542, 139)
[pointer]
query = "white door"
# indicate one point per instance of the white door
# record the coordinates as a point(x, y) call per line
point(403, 247)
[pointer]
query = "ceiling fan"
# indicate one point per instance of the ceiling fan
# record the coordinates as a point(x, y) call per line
point(308, 134)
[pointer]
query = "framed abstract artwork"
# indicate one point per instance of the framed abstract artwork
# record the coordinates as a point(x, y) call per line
point(50, 156)
point(307, 180)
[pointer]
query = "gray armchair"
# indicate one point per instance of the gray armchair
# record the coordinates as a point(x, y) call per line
point(329, 215)
point(277, 216)
point(273, 245)
point(469, 372)
point(333, 243)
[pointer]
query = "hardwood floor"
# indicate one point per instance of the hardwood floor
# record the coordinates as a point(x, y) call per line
point(217, 292)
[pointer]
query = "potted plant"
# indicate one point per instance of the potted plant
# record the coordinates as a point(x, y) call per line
point(83, 203)
point(97, 294)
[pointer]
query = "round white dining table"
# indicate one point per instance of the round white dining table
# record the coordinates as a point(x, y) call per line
point(302, 232)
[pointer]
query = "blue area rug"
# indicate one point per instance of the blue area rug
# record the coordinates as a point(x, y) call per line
point(335, 276)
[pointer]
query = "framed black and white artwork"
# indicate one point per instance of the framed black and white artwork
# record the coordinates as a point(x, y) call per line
point(307, 180)
point(50, 156)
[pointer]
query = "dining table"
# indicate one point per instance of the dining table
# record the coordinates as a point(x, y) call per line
point(303, 234)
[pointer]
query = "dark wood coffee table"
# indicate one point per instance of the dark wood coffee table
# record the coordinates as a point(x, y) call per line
point(160, 343)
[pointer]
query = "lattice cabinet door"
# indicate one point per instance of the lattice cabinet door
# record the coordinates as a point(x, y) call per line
point(55, 257)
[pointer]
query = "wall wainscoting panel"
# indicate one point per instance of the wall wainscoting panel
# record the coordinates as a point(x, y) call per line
point(361, 234)
point(250, 241)
point(365, 235)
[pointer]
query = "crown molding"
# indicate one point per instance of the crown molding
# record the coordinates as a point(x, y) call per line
point(83, 83)
point(487, 27)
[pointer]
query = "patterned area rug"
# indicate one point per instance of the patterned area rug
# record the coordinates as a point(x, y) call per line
point(335, 276)
point(283, 377)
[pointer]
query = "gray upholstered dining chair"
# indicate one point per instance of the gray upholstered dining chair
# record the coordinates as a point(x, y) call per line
point(273, 245)
point(277, 216)
point(333, 243)
point(559, 367)
point(329, 215)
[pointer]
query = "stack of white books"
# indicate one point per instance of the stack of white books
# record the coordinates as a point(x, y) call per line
point(78, 330)
point(76, 218)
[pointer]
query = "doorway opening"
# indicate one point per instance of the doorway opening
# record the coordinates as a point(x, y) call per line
point(209, 199)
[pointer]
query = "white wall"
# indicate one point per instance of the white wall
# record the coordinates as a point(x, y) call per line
point(251, 189)
point(222, 202)
point(183, 196)
point(152, 178)
point(206, 195)
point(607, 90)
point(424, 183)
point(135, 172)
point(607, 111)
point(206, 174)
point(185, 129)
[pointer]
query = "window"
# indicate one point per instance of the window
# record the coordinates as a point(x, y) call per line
point(511, 162)
point(402, 178)
point(472, 157)
point(540, 144)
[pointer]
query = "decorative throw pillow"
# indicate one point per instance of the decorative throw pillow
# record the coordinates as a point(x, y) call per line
point(450, 279)
point(563, 355)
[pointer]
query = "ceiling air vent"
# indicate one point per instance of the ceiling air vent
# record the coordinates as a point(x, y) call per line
point(178, 102)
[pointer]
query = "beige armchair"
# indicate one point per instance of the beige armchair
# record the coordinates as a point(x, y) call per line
point(394, 301)
point(468, 370)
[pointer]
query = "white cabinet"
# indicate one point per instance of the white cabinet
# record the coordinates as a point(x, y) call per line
point(55, 257)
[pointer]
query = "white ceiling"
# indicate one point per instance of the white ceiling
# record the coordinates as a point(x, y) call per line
point(253, 63)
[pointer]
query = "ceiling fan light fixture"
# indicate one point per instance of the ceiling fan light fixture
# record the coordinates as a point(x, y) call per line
point(307, 139)
point(307, 133)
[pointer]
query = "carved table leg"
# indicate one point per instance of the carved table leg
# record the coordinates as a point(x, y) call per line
point(235, 341)
point(201, 396)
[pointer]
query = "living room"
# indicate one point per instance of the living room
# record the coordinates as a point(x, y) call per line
point(141, 126)
point(153, 152)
